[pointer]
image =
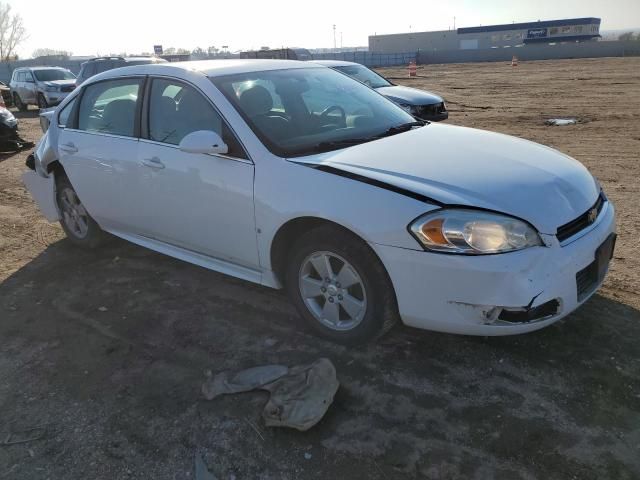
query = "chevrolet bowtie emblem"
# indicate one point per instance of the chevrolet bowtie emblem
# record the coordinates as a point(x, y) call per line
point(592, 215)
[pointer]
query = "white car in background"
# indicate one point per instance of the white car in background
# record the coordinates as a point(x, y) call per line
point(292, 175)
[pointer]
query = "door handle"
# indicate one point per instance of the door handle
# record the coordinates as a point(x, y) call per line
point(153, 162)
point(69, 148)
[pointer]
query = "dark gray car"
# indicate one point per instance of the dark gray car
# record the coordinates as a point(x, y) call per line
point(419, 103)
point(102, 64)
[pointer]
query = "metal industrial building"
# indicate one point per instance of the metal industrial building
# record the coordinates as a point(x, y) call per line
point(491, 36)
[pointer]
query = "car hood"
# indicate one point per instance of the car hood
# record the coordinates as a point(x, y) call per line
point(407, 95)
point(468, 167)
point(61, 83)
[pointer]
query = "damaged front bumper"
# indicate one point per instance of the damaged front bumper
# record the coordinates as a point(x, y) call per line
point(490, 295)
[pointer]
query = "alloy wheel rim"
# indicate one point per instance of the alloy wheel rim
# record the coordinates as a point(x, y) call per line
point(332, 291)
point(74, 214)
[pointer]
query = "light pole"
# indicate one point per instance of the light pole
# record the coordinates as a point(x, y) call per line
point(334, 37)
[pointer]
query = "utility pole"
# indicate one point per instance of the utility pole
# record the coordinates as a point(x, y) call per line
point(334, 37)
point(454, 23)
point(340, 40)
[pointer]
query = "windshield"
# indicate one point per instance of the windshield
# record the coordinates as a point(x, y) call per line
point(53, 74)
point(364, 75)
point(309, 110)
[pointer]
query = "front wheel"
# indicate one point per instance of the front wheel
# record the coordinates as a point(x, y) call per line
point(76, 222)
point(340, 287)
point(42, 102)
point(20, 105)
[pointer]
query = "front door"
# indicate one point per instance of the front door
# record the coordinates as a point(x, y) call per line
point(199, 202)
point(28, 93)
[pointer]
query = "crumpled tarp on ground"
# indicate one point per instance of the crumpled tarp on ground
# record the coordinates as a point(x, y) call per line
point(300, 396)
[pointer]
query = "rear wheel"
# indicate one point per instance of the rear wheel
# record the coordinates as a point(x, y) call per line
point(42, 102)
point(76, 222)
point(19, 104)
point(340, 287)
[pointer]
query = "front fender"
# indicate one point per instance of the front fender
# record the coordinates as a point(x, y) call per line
point(285, 191)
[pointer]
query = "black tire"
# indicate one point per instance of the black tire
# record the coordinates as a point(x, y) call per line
point(42, 102)
point(94, 235)
point(381, 312)
point(19, 104)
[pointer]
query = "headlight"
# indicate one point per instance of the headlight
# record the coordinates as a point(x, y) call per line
point(473, 232)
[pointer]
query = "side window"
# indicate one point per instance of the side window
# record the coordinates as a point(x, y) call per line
point(28, 77)
point(110, 107)
point(63, 116)
point(176, 109)
point(20, 77)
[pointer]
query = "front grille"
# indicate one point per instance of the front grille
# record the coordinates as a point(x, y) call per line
point(425, 111)
point(67, 88)
point(583, 221)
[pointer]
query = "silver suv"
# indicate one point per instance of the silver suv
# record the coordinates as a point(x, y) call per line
point(41, 86)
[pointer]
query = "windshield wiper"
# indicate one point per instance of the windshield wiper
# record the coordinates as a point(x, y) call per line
point(335, 144)
point(405, 127)
point(348, 142)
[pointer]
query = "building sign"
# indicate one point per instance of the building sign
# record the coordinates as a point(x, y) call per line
point(157, 49)
point(536, 33)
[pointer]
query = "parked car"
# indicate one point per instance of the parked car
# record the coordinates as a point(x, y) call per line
point(41, 86)
point(5, 91)
point(419, 103)
point(102, 64)
point(290, 174)
point(10, 140)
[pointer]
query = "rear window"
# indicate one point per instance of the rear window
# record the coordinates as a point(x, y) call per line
point(88, 70)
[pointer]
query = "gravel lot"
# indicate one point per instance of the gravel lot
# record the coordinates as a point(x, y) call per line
point(106, 351)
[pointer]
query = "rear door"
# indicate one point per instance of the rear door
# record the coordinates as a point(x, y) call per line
point(99, 150)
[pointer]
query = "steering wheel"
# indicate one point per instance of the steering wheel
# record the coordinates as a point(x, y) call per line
point(325, 113)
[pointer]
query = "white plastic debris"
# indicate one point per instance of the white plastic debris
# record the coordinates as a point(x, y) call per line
point(300, 396)
point(560, 122)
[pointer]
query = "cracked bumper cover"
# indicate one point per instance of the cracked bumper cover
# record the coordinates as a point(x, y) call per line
point(493, 294)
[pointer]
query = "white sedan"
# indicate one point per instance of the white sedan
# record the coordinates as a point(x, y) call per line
point(295, 176)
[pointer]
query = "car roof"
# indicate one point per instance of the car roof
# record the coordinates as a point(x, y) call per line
point(126, 59)
point(335, 63)
point(44, 67)
point(210, 68)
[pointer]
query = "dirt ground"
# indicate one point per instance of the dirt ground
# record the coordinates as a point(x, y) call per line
point(105, 352)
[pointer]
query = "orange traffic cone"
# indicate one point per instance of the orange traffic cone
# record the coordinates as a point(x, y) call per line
point(514, 61)
point(412, 68)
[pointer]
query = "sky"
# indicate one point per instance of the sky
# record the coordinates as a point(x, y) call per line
point(101, 27)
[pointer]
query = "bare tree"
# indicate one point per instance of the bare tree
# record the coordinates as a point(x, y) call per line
point(50, 52)
point(12, 32)
point(625, 37)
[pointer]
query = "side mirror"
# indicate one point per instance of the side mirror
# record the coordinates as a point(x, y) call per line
point(203, 141)
point(30, 80)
